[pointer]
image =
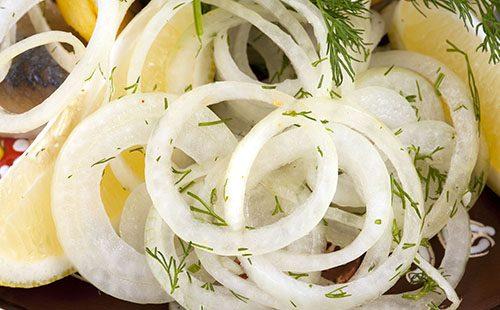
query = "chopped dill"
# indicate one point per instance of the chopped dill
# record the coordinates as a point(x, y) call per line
point(277, 206)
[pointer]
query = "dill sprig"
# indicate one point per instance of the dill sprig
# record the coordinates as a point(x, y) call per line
point(293, 113)
point(301, 94)
point(461, 7)
point(465, 11)
point(209, 210)
point(297, 276)
point(338, 293)
point(420, 156)
point(198, 18)
point(213, 123)
point(344, 39)
point(474, 92)
point(208, 286)
point(396, 232)
point(432, 306)
point(285, 62)
point(433, 174)
point(277, 206)
point(102, 161)
point(134, 87)
point(172, 267)
point(399, 192)
point(428, 285)
point(491, 29)
point(239, 296)
point(184, 188)
point(477, 183)
point(183, 173)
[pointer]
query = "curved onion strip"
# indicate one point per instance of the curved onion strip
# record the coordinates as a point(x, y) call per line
point(124, 46)
point(159, 239)
point(229, 71)
point(119, 59)
point(314, 17)
point(83, 227)
point(38, 40)
point(409, 84)
point(133, 218)
point(345, 217)
point(16, 10)
point(385, 104)
point(268, 277)
point(429, 136)
point(247, 150)
point(67, 60)
point(298, 58)
point(181, 74)
point(376, 255)
point(151, 30)
point(272, 55)
point(464, 156)
point(352, 149)
point(372, 35)
point(203, 144)
point(172, 207)
point(289, 21)
point(124, 174)
point(234, 282)
point(452, 265)
point(480, 172)
point(110, 15)
point(377, 30)
point(239, 48)
point(7, 41)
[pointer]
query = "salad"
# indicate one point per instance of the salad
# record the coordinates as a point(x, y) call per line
point(224, 154)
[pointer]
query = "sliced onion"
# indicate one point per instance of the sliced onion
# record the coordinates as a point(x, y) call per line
point(110, 16)
point(418, 91)
point(464, 156)
point(133, 218)
point(189, 292)
point(83, 228)
point(172, 207)
point(67, 60)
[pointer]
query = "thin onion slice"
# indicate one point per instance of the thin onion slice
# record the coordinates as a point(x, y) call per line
point(83, 227)
point(174, 210)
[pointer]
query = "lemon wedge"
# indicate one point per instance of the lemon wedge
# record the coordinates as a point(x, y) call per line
point(164, 48)
point(411, 30)
point(81, 15)
point(30, 253)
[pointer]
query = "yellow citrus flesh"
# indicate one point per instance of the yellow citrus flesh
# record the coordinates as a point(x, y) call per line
point(30, 253)
point(162, 50)
point(136, 162)
point(427, 35)
point(113, 196)
point(27, 232)
point(81, 15)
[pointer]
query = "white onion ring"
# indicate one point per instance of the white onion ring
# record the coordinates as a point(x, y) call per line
point(174, 210)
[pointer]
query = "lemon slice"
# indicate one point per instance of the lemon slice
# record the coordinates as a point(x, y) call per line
point(81, 15)
point(164, 48)
point(30, 253)
point(427, 35)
